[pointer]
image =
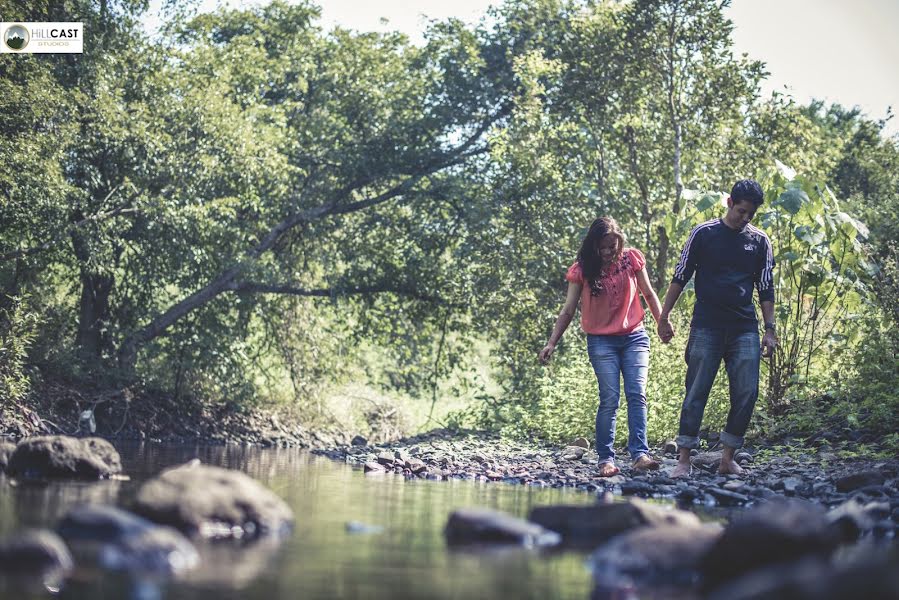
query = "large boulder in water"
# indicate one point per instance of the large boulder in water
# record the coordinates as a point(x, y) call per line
point(590, 526)
point(119, 540)
point(213, 502)
point(486, 526)
point(64, 457)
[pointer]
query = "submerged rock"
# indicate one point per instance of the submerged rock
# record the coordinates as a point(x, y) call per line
point(64, 457)
point(775, 532)
point(6, 449)
point(592, 525)
point(213, 502)
point(483, 525)
point(34, 553)
point(119, 540)
point(872, 577)
point(664, 555)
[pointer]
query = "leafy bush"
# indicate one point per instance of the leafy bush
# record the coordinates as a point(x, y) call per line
point(17, 330)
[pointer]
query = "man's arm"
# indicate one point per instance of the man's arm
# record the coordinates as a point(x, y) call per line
point(764, 283)
point(683, 271)
point(769, 340)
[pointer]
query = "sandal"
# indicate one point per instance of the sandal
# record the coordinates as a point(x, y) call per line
point(646, 463)
point(608, 469)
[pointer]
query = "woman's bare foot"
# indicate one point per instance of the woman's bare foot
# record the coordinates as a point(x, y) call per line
point(608, 469)
point(646, 463)
point(682, 470)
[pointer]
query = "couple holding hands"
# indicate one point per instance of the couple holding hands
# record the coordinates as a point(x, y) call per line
point(729, 258)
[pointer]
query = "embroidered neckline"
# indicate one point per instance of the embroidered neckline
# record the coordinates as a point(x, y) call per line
point(608, 278)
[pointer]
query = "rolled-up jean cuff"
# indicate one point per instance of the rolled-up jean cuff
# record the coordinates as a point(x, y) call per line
point(687, 441)
point(731, 441)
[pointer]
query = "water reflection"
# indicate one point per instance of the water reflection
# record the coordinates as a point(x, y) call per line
point(403, 556)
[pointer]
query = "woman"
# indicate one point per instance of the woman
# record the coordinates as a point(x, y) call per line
point(606, 278)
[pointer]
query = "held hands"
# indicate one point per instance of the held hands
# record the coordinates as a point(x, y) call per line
point(665, 330)
point(546, 353)
point(769, 342)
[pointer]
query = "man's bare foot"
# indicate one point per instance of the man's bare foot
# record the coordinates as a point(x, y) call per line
point(608, 469)
point(682, 470)
point(730, 467)
point(646, 463)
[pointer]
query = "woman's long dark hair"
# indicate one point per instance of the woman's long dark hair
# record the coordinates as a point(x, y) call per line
point(588, 256)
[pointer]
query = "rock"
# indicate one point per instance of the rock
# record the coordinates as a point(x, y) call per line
point(483, 525)
point(120, 540)
point(727, 497)
point(212, 502)
point(358, 441)
point(573, 453)
point(386, 458)
point(775, 532)
point(35, 552)
point(708, 461)
point(852, 518)
point(668, 554)
point(743, 458)
point(635, 487)
point(479, 457)
point(581, 442)
point(64, 457)
point(589, 526)
point(789, 485)
point(874, 577)
point(6, 449)
point(855, 481)
point(416, 465)
point(670, 447)
point(374, 467)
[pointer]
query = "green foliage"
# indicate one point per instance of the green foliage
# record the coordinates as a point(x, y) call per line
point(261, 209)
point(18, 323)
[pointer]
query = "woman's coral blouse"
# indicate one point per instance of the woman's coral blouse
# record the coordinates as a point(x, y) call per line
point(611, 305)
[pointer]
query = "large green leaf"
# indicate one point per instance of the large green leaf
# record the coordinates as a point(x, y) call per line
point(809, 235)
point(792, 200)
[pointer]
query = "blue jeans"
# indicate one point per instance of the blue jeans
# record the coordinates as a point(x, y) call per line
point(741, 352)
point(613, 356)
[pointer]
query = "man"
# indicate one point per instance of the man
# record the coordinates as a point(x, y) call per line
point(729, 257)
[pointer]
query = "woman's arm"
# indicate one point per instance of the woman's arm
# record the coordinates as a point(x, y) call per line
point(574, 294)
point(649, 294)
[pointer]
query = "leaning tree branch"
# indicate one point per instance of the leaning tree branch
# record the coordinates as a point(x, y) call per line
point(226, 280)
point(274, 288)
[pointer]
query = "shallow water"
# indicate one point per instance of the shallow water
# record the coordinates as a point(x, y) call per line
point(407, 559)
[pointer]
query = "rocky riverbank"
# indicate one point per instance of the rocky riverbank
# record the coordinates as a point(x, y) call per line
point(871, 485)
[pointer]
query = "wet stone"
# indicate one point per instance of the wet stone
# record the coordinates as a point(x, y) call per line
point(855, 481)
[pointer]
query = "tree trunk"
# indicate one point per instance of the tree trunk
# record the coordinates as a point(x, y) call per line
point(92, 338)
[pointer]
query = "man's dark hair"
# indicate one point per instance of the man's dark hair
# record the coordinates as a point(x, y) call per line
point(747, 190)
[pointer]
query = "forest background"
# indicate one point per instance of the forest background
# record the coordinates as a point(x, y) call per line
point(361, 234)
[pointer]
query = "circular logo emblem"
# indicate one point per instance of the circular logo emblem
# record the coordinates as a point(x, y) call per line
point(16, 37)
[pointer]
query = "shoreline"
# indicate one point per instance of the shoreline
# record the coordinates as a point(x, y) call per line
point(821, 478)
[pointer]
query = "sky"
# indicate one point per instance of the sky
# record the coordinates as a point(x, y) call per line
point(834, 50)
